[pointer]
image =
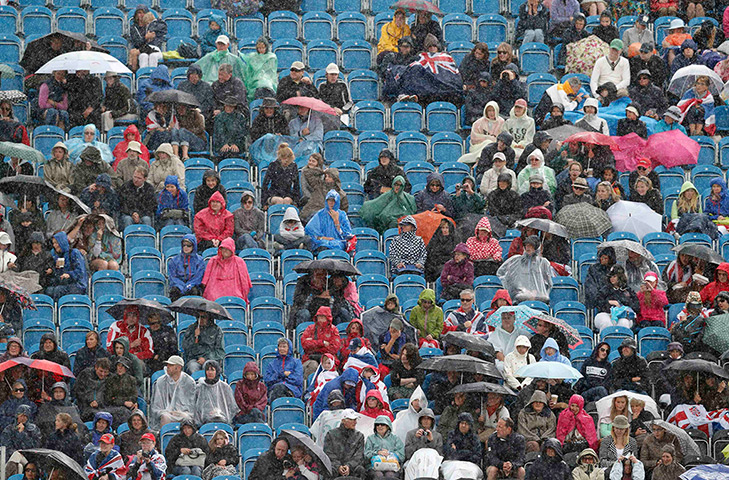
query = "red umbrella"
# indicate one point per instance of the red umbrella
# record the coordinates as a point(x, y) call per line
point(312, 103)
point(593, 138)
point(14, 362)
point(416, 6)
point(672, 148)
point(37, 364)
point(630, 151)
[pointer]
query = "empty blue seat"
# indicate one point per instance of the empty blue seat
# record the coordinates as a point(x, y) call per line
point(572, 312)
point(564, 289)
point(320, 53)
point(406, 116)
point(614, 335)
point(653, 339)
point(338, 144)
point(356, 54)
point(417, 172)
point(408, 287)
point(373, 286)
point(118, 48)
point(412, 145)
point(179, 21)
point(72, 19)
point(236, 357)
point(266, 333)
point(249, 27)
point(74, 332)
point(287, 410)
point(370, 116)
point(351, 26)
point(457, 27)
point(491, 27)
point(453, 172)
point(349, 172)
point(264, 285)
point(36, 20)
point(108, 21)
point(257, 260)
point(148, 283)
point(459, 50)
point(267, 309)
point(288, 51)
point(107, 282)
point(363, 85)
point(74, 307)
point(485, 288)
point(445, 146)
point(314, 5)
point(535, 57)
point(441, 117)
point(347, 5)
point(317, 26)
point(371, 262)
point(44, 136)
point(254, 435)
point(537, 84)
point(283, 24)
point(8, 19)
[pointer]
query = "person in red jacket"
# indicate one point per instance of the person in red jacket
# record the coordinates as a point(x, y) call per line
point(720, 284)
point(318, 339)
point(374, 405)
point(251, 396)
point(140, 340)
point(355, 329)
point(226, 274)
point(213, 224)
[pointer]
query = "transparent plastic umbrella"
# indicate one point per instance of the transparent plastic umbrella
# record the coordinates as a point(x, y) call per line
point(549, 370)
point(685, 77)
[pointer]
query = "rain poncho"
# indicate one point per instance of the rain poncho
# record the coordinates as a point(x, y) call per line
point(226, 276)
point(527, 277)
point(120, 151)
point(430, 322)
point(557, 357)
point(488, 249)
point(321, 377)
point(158, 80)
point(714, 207)
point(186, 271)
point(274, 373)
point(550, 182)
point(214, 401)
point(383, 212)
point(173, 399)
point(213, 60)
point(209, 225)
point(207, 40)
point(260, 70)
point(349, 376)
point(582, 422)
point(77, 145)
point(75, 264)
point(390, 442)
point(321, 225)
point(485, 130)
point(521, 128)
point(407, 420)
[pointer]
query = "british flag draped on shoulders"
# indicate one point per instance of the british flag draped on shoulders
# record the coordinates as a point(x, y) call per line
point(696, 416)
point(434, 76)
point(106, 463)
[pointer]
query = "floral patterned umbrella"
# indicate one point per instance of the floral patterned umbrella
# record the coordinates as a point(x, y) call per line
point(570, 332)
point(18, 293)
point(522, 313)
point(416, 6)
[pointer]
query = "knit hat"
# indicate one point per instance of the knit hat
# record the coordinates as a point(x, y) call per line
point(536, 178)
point(693, 300)
point(430, 41)
point(675, 346)
point(630, 343)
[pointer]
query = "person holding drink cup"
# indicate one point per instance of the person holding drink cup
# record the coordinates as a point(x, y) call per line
point(69, 274)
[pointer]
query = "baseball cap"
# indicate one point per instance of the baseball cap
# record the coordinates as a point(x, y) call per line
point(332, 68)
point(520, 103)
point(646, 47)
point(175, 360)
point(643, 20)
point(616, 44)
point(148, 436)
point(5, 238)
point(650, 276)
point(107, 438)
point(223, 39)
point(643, 162)
point(297, 66)
point(499, 156)
point(349, 414)
point(134, 147)
point(677, 23)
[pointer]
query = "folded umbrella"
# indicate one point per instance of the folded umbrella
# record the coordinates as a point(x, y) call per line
point(522, 313)
point(672, 148)
point(634, 217)
point(146, 308)
point(702, 252)
point(570, 332)
point(469, 341)
point(483, 387)
point(544, 225)
point(583, 220)
point(461, 364)
point(549, 370)
point(195, 306)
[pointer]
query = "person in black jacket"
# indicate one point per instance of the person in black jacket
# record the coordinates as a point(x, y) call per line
point(536, 196)
point(606, 31)
point(505, 452)
point(137, 199)
point(281, 183)
point(630, 371)
point(425, 25)
point(486, 160)
point(462, 443)
point(210, 184)
point(632, 122)
point(550, 465)
point(533, 22)
point(508, 88)
point(477, 98)
point(295, 84)
point(187, 438)
point(556, 117)
point(379, 179)
point(405, 55)
point(164, 340)
point(84, 99)
point(615, 293)
point(334, 92)
point(648, 96)
point(647, 60)
point(595, 374)
point(504, 204)
point(65, 438)
point(203, 92)
point(117, 103)
point(474, 65)
point(269, 120)
point(645, 193)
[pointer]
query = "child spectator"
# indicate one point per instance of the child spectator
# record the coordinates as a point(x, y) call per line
point(457, 273)
point(652, 300)
point(172, 204)
point(291, 234)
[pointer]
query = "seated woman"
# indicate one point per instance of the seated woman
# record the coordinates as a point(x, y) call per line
point(172, 204)
point(103, 242)
point(618, 406)
point(536, 167)
point(191, 134)
point(527, 276)
point(440, 250)
point(281, 182)
point(260, 71)
point(380, 179)
point(484, 250)
point(214, 400)
point(213, 224)
point(615, 293)
point(131, 134)
point(216, 27)
point(329, 228)
point(404, 374)
point(161, 122)
point(251, 396)
point(69, 272)
point(652, 301)
point(384, 446)
point(222, 457)
point(226, 274)
point(689, 201)
point(575, 427)
point(701, 112)
point(284, 376)
point(249, 223)
point(632, 122)
point(407, 250)
point(605, 196)
point(53, 100)
point(457, 274)
point(619, 440)
point(90, 139)
point(434, 197)
point(716, 205)
point(383, 212)
point(645, 193)
point(484, 130)
point(591, 122)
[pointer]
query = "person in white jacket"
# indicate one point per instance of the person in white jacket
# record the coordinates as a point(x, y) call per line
point(520, 126)
point(490, 180)
point(613, 67)
point(517, 359)
point(7, 259)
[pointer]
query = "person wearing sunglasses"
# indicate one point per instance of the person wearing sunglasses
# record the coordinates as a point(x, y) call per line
point(17, 397)
point(595, 371)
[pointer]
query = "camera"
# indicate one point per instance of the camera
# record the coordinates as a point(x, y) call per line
point(458, 186)
point(146, 454)
point(288, 464)
point(505, 75)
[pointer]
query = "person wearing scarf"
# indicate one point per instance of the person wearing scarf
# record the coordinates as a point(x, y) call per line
point(697, 108)
point(325, 372)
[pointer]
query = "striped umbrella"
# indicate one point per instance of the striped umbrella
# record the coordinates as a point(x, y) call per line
point(412, 6)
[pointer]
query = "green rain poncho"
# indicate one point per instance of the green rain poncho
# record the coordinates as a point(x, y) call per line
point(260, 70)
point(382, 212)
point(210, 63)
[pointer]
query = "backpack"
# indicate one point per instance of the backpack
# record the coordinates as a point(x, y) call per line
point(689, 332)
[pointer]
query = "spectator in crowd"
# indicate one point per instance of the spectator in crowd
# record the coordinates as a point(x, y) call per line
point(688, 56)
point(484, 250)
point(172, 204)
point(647, 60)
point(210, 184)
point(202, 341)
point(87, 355)
point(251, 396)
point(296, 84)
point(383, 446)
point(101, 197)
point(458, 273)
point(166, 164)
point(579, 193)
point(644, 168)
point(269, 120)
point(440, 249)
point(148, 35)
point(69, 273)
point(261, 70)
point(618, 406)
point(423, 26)
point(148, 462)
point(118, 104)
point(575, 427)
point(616, 292)
point(281, 182)
point(329, 228)
point(697, 106)
point(57, 169)
point(632, 123)
point(595, 371)
point(53, 100)
point(164, 339)
point(474, 65)
point(630, 371)
point(211, 63)
point(618, 440)
point(504, 337)
point(533, 22)
point(230, 130)
point(214, 400)
point(214, 223)
point(36, 258)
point(591, 122)
point(161, 125)
point(716, 205)
point(393, 339)
point(516, 359)
point(185, 443)
point(201, 90)
point(284, 375)
point(485, 129)
point(138, 427)
point(291, 233)
point(138, 202)
point(316, 183)
point(226, 274)
point(654, 445)
point(17, 397)
point(587, 466)
point(216, 27)
point(186, 269)
point(84, 97)
point(645, 192)
point(83, 174)
point(137, 334)
point(228, 86)
point(345, 447)
point(638, 33)
point(467, 200)
point(121, 151)
point(318, 339)
point(89, 388)
point(307, 127)
point(537, 424)
point(172, 394)
point(505, 454)
point(65, 438)
point(126, 166)
point(434, 196)
point(120, 392)
point(668, 468)
point(391, 34)
point(22, 433)
point(611, 68)
point(561, 15)
point(272, 462)
point(190, 136)
point(649, 96)
point(423, 435)
point(404, 376)
point(249, 223)
point(550, 463)
point(606, 31)
point(652, 301)
point(407, 250)
point(120, 349)
point(380, 179)
point(508, 90)
point(535, 196)
point(334, 92)
point(158, 80)
point(105, 463)
point(222, 457)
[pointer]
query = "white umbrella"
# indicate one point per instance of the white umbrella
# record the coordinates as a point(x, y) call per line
point(634, 217)
point(94, 62)
point(549, 370)
point(603, 405)
point(685, 77)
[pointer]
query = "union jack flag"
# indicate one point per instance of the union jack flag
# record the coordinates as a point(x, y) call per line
point(436, 61)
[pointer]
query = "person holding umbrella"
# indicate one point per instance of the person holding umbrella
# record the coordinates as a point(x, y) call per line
point(202, 341)
point(307, 126)
point(138, 335)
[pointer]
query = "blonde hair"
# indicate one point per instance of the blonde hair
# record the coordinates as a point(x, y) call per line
point(685, 206)
point(285, 153)
point(68, 421)
point(626, 435)
point(613, 194)
point(220, 433)
point(148, 18)
point(645, 180)
point(614, 413)
point(637, 401)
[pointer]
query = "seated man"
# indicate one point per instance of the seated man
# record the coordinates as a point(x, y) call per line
point(550, 464)
point(344, 446)
point(105, 463)
point(329, 228)
point(284, 376)
point(462, 443)
point(186, 269)
point(138, 202)
point(505, 455)
point(140, 340)
point(273, 462)
point(89, 388)
point(148, 463)
point(202, 341)
point(173, 395)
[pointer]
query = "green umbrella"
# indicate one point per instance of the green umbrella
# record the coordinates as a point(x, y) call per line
point(21, 151)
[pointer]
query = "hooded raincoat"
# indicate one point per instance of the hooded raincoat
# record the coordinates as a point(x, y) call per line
point(209, 225)
point(556, 357)
point(319, 189)
point(172, 398)
point(550, 182)
point(414, 443)
point(214, 401)
point(526, 277)
point(427, 200)
point(120, 151)
point(261, 70)
point(427, 322)
point(211, 62)
point(588, 471)
point(390, 442)
point(274, 374)
point(345, 383)
point(488, 249)
point(582, 423)
point(484, 130)
point(716, 207)
point(250, 394)
point(407, 420)
point(226, 276)
point(467, 447)
point(383, 212)
point(158, 81)
point(322, 229)
point(537, 427)
point(514, 361)
point(549, 468)
point(77, 145)
point(521, 128)
point(313, 338)
point(185, 272)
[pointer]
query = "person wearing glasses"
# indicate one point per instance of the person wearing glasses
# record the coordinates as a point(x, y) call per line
point(595, 371)
point(31, 472)
point(10, 406)
point(644, 168)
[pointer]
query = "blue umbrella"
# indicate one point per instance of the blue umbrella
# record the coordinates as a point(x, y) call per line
point(522, 313)
point(549, 370)
point(707, 472)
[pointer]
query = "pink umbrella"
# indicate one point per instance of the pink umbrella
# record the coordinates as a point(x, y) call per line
point(630, 151)
point(312, 103)
point(593, 138)
point(672, 148)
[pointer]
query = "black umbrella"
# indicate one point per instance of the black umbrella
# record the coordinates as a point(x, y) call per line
point(28, 185)
point(146, 308)
point(173, 96)
point(195, 305)
point(702, 252)
point(469, 341)
point(39, 51)
point(315, 449)
point(461, 364)
point(699, 366)
point(49, 460)
point(483, 387)
point(331, 265)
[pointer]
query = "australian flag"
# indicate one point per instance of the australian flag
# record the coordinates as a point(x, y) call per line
point(432, 74)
